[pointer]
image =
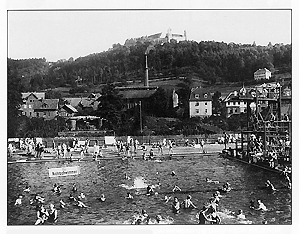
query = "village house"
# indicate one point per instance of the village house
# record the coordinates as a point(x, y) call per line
point(132, 96)
point(28, 100)
point(85, 104)
point(200, 103)
point(46, 108)
point(262, 74)
point(67, 111)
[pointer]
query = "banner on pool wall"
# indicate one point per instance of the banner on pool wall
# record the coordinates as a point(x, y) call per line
point(109, 140)
point(64, 171)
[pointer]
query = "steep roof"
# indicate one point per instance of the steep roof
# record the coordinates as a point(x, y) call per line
point(73, 101)
point(199, 94)
point(69, 108)
point(40, 95)
point(46, 104)
point(261, 70)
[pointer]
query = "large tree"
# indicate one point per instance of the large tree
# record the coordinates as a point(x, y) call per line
point(111, 107)
point(14, 101)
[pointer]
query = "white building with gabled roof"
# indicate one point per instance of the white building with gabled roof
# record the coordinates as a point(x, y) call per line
point(262, 74)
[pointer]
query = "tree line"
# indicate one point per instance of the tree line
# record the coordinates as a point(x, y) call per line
point(206, 60)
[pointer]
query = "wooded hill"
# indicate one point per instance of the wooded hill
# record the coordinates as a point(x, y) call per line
point(212, 62)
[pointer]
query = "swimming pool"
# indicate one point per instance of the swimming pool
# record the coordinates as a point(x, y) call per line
point(108, 177)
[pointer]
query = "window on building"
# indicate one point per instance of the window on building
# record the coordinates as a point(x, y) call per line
point(37, 114)
point(236, 110)
point(230, 111)
point(206, 103)
point(30, 113)
point(197, 104)
point(197, 96)
point(197, 111)
point(206, 111)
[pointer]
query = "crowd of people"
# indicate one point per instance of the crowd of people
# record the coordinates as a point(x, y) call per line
point(276, 150)
point(208, 214)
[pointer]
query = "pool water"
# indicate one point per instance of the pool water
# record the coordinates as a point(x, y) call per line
point(108, 178)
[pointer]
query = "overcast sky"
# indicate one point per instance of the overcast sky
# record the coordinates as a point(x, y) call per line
point(64, 34)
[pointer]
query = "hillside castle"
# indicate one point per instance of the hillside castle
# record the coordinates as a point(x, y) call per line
point(157, 38)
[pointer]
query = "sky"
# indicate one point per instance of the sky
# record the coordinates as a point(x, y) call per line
point(58, 35)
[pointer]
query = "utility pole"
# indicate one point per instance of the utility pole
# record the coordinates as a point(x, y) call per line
point(140, 116)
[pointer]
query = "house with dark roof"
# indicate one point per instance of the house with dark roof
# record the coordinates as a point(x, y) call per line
point(200, 103)
point(28, 100)
point(133, 95)
point(46, 108)
point(67, 111)
point(84, 103)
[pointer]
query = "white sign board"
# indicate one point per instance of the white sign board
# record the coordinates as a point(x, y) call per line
point(81, 143)
point(109, 140)
point(64, 171)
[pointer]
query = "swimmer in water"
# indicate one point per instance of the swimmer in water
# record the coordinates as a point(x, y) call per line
point(74, 189)
point(62, 204)
point(204, 216)
point(215, 199)
point(127, 177)
point(214, 216)
point(212, 181)
point(150, 190)
point(72, 198)
point(159, 218)
point(240, 214)
point(81, 196)
point(167, 199)
point(81, 204)
point(270, 186)
point(102, 198)
point(27, 189)
point(176, 205)
point(144, 216)
point(129, 196)
point(58, 191)
point(18, 201)
point(176, 189)
point(42, 215)
point(252, 205)
point(261, 206)
point(55, 188)
point(52, 214)
point(188, 204)
point(39, 199)
point(226, 187)
point(173, 173)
